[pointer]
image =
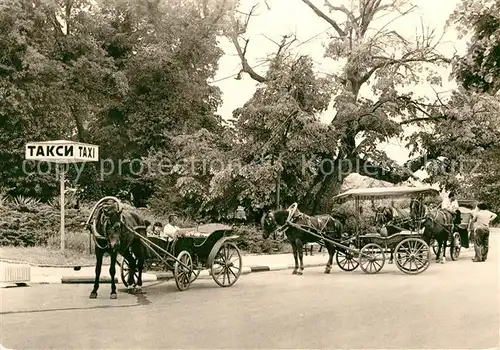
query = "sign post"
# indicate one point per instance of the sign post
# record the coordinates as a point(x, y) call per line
point(62, 152)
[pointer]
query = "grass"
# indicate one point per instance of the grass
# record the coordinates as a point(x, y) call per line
point(47, 256)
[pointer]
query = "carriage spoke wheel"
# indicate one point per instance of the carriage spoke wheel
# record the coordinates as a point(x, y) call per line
point(183, 274)
point(125, 273)
point(413, 256)
point(227, 265)
point(371, 258)
point(196, 270)
point(456, 246)
point(347, 261)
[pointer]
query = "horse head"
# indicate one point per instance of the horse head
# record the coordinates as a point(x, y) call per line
point(272, 220)
point(111, 213)
point(383, 215)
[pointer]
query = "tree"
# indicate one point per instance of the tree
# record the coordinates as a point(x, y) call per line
point(54, 78)
point(463, 140)
point(478, 102)
point(384, 59)
point(479, 69)
point(128, 76)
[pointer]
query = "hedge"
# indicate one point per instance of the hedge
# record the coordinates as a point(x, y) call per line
point(38, 225)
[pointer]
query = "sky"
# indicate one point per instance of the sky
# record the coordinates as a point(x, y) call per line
point(293, 16)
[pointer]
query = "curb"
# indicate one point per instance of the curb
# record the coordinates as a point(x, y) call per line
point(161, 276)
point(46, 265)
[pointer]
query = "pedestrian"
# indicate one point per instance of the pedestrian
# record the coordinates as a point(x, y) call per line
point(481, 227)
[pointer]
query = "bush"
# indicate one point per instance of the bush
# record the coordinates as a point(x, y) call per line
point(38, 225)
point(251, 241)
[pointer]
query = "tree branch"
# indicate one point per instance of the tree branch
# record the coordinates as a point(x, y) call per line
point(235, 32)
point(322, 15)
point(375, 171)
point(388, 61)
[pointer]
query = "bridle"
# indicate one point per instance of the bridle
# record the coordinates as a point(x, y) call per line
point(106, 223)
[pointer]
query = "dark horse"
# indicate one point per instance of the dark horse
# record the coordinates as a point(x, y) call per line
point(391, 220)
point(438, 225)
point(319, 224)
point(116, 230)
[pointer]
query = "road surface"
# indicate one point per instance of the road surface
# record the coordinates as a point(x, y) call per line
point(450, 306)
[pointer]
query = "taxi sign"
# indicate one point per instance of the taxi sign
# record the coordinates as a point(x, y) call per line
point(62, 151)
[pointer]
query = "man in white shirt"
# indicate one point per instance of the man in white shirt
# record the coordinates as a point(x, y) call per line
point(169, 229)
point(450, 203)
point(480, 223)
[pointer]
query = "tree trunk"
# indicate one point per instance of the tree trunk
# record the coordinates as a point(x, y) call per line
point(330, 186)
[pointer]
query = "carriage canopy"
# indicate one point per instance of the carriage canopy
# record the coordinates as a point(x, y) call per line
point(385, 192)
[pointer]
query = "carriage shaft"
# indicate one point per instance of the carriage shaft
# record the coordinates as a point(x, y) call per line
point(328, 240)
point(148, 243)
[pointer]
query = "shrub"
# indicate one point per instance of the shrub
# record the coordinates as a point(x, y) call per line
point(250, 240)
point(36, 226)
point(25, 204)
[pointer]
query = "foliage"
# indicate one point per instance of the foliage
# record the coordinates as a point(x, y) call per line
point(133, 77)
point(250, 240)
point(125, 75)
point(464, 133)
point(479, 69)
point(39, 224)
point(380, 57)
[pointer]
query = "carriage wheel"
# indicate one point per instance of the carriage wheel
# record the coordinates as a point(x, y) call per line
point(371, 258)
point(227, 265)
point(183, 274)
point(413, 256)
point(346, 260)
point(456, 246)
point(196, 270)
point(125, 272)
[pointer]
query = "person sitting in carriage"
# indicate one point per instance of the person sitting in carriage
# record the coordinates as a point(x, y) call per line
point(451, 204)
point(170, 229)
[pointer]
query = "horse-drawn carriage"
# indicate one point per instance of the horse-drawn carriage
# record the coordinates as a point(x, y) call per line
point(359, 248)
point(116, 230)
point(197, 249)
point(394, 230)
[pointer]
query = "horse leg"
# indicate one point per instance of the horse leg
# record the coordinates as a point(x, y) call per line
point(99, 253)
point(438, 253)
point(445, 243)
point(112, 272)
point(294, 249)
point(331, 251)
point(140, 266)
point(301, 256)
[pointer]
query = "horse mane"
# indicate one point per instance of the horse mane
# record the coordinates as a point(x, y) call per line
point(281, 216)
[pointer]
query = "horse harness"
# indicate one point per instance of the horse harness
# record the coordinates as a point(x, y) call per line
point(320, 224)
point(448, 227)
point(105, 221)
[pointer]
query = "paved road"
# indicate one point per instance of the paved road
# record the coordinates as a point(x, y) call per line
point(450, 306)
